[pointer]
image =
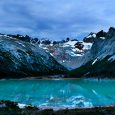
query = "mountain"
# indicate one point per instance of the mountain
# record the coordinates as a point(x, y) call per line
point(19, 58)
point(100, 60)
point(94, 56)
point(65, 52)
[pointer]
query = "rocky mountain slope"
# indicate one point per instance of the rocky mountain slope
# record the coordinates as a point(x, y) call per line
point(19, 58)
point(65, 52)
point(94, 56)
point(100, 60)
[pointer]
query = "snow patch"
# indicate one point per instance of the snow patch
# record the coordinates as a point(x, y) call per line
point(102, 38)
point(94, 61)
point(87, 45)
point(93, 35)
point(70, 43)
point(21, 106)
point(112, 58)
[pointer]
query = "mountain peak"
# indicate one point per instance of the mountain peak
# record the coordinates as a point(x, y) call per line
point(111, 29)
point(101, 34)
point(111, 32)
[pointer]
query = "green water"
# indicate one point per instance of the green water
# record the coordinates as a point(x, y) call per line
point(59, 93)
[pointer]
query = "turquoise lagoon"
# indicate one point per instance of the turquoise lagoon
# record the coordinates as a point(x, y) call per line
point(59, 93)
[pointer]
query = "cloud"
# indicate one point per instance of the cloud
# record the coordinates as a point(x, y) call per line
point(56, 19)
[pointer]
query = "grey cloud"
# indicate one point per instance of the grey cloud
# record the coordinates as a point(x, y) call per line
point(55, 19)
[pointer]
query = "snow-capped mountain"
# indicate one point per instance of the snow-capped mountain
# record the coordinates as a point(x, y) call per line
point(19, 58)
point(100, 60)
point(93, 56)
point(67, 52)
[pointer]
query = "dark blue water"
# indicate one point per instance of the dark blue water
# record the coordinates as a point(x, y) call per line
point(59, 93)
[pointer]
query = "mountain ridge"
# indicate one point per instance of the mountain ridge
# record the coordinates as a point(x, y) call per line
point(90, 57)
point(19, 58)
point(100, 61)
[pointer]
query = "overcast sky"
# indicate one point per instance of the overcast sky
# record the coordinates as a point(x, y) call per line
point(56, 19)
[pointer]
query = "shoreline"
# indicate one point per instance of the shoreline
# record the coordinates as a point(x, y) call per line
point(13, 107)
point(58, 78)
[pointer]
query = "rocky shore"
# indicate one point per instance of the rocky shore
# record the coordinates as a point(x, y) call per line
point(12, 108)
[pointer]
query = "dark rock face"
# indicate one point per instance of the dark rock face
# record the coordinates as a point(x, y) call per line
point(90, 38)
point(111, 33)
point(101, 34)
point(79, 45)
point(20, 37)
point(100, 60)
point(18, 58)
point(46, 42)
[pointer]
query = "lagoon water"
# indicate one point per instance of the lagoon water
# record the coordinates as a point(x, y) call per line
point(59, 93)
